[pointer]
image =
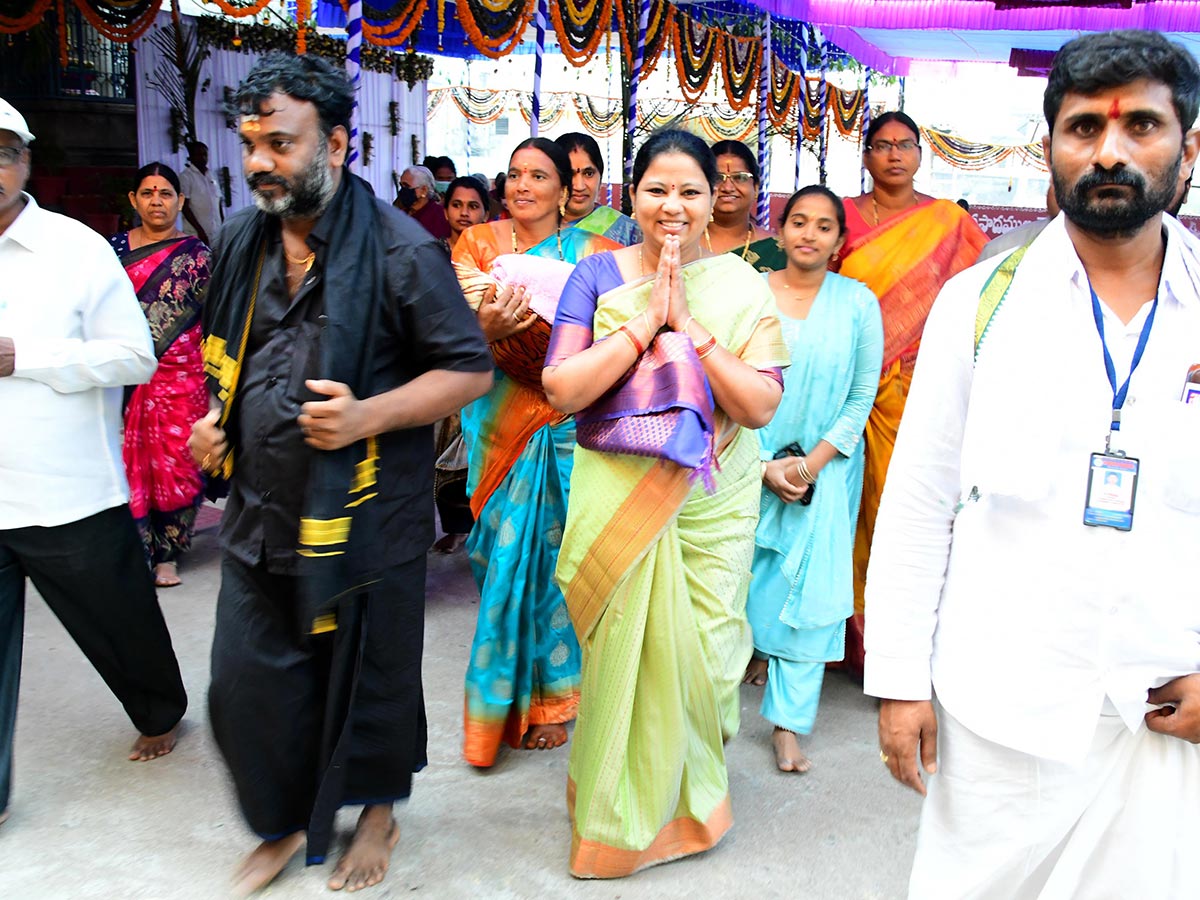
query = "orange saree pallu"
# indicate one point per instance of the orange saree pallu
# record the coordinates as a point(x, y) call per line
point(904, 261)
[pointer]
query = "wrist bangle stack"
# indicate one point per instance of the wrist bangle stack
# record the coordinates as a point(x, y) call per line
point(805, 473)
point(702, 350)
point(632, 338)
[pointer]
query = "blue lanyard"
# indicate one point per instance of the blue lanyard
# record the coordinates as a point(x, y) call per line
point(1120, 393)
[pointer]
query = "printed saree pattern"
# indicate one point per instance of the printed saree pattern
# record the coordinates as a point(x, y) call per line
point(165, 485)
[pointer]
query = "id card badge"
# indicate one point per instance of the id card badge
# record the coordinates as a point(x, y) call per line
point(1112, 487)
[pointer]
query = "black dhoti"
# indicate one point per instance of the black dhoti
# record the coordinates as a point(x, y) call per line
point(309, 723)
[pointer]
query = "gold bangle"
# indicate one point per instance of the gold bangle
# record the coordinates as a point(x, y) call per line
point(763, 472)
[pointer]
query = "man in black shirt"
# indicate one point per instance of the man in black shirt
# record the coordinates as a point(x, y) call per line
point(335, 333)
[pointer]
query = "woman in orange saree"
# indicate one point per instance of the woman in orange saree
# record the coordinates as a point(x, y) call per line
point(522, 681)
point(668, 358)
point(904, 246)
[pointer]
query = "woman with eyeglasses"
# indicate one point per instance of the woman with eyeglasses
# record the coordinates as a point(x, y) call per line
point(732, 229)
point(903, 245)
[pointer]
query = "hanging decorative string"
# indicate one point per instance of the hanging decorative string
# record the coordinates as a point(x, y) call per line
point(479, 106)
point(14, 21)
point(814, 97)
point(696, 47)
point(847, 110)
point(598, 119)
point(551, 109)
point(434, 100)
point(635, 79)
point(764, 142)
point(741, 64)
point(720, 123)
point(580, 30)
point(121, 23)
point(495, 26)
point(652, 39)
point(785, 92)
point(968, 155)
point(390, 26)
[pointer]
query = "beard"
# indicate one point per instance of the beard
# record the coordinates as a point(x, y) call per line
point(1113, 214)
point(304, 197)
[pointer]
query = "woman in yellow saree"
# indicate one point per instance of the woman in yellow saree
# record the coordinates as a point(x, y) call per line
point(666, 358)
point(904, 246)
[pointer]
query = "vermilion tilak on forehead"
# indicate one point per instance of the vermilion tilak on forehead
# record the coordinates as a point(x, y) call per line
point(1114, 111)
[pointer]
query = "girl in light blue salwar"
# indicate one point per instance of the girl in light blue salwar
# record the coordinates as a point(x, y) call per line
point(802, 588)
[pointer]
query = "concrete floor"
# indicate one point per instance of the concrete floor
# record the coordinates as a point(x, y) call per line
point(86, 823)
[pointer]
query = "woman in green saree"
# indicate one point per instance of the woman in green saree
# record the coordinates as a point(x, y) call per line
point(655, 557)
point(732, 229)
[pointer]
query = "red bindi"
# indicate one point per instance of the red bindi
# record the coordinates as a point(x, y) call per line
point(1114, 111)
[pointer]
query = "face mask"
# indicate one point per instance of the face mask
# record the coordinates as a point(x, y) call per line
point(407, 196)
point(441, 187)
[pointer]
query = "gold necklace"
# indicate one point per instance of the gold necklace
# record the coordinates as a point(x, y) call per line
point(557, 235)
point(307, 261)
point(875, 206)
point(745, 247)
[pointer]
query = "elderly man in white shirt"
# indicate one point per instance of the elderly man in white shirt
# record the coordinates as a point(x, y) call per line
point(1057, 622)
point(71, 334)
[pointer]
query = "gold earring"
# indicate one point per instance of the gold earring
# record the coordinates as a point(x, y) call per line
point(562, 209)
point(833, 258)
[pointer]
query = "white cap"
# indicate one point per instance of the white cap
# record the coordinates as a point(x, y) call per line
point(11, 120)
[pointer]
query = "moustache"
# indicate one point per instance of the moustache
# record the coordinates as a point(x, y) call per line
point(1115, 178)
point(259, 180)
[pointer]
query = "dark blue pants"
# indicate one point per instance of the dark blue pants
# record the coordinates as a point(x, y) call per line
point(93, 576)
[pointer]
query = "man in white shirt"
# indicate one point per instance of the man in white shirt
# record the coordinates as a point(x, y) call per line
point(1064, 656)
point(71, 334)
point(202, 212)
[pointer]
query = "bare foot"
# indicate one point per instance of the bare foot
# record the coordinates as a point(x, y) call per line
point(365, 861)
point(149, 746)
point(264, 863)
point(787, 752)
point(166, 575)
point(448, 543)
point(756, 672)
point(545, 737)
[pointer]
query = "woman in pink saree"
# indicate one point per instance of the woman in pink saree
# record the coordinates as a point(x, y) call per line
point(169, 271)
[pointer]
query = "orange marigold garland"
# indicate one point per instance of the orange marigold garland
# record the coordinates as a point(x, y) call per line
point(579, 33)
point(658, 31)
point(741, 63)
point(121, 23)
point(252, 9)
point(783, 96)
point(392, 33)
point(22, 23)
point(303, 12)
point(696, 46)
point(494, 27)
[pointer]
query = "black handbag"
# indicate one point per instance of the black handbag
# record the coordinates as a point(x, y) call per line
point(794, 449)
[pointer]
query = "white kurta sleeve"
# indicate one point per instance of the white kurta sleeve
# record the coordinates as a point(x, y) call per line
point(911, 544)
point(111, 345)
